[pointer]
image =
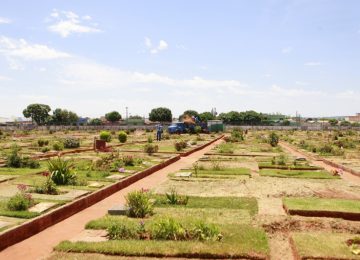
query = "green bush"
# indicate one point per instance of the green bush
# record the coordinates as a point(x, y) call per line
point(128, 160)
point(31, 163)
point(21, 200)
point(180, 145)
point(42, 142)
point(47, 187)
point(45, 149)
point(121, 231)
point(71, 142)
point(150, 139)
point(122, 136)
point(139, 204)
point(151, 148)
point(237, 135)
point(61, 172)
point(105, 136)
point(58, 146)
point(167, 229)
point(203, 231)
point(197, 129)
point(273, 139)
point(13, 159)
point(173, 198)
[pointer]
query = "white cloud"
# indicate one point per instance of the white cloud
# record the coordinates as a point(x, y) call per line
point(301, 83)
point(67, 22)
point(163, 45)
point(19, 48)
point(4, 20)
point(287, 50)
point(313, 63)
point(293, 92)
point(4, 78)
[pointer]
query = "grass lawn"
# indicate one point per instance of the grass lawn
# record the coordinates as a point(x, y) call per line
point(21, 171)
point(341, 205)
point(231, 215)
point(226, 171)
point(315, 244)
point(297, 174)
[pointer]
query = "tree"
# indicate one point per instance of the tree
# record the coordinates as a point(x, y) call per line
point(189, 113)
point(345, 123)
point(161, 114)
point(64, 117)
point(113, 116)
point(333, 122)
point(136, 117)
point(39, 113)
point(95, 121)
point(205, 116)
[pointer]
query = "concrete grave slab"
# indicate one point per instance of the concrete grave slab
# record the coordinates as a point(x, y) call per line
point(96, 185)
point(118, 210)
point(74, 194)
point(4, 224)
point(42, 206)
point(90, 235)
point(116, 177)
point(183, 174)
point(4, 178)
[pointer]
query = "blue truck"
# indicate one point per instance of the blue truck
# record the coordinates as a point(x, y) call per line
point(185, 127)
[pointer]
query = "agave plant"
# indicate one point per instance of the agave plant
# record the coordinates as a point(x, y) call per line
point(61, 171)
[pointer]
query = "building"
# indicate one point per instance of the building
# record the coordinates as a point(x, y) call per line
point(354, 119)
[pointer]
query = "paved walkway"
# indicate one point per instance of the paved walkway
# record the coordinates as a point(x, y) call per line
point(41, 245)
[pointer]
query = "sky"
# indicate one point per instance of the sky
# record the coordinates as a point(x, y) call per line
point(93, 57)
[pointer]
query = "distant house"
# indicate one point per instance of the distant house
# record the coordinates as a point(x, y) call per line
point(354, 119)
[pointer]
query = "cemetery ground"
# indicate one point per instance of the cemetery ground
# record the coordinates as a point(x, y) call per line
point(240, 198)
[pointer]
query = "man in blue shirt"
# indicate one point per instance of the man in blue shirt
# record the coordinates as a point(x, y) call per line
point(159, 130)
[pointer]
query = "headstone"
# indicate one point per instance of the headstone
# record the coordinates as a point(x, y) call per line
point(100, 145)
point(42, 206)
point(95, 185)
point(183, 174)
point(116, 177)
point(73, 194)
point(90, 235)
point(118, 210)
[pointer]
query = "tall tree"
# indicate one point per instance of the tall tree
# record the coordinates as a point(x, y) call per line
point(39, 113)
point(190, 113)
point(205, 116)
point(64, 117)
point(161, 114)
point(113, 116)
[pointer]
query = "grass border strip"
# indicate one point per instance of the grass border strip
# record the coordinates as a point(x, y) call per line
point(324, 214)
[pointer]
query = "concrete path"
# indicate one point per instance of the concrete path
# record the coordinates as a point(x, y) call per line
point(41, 245)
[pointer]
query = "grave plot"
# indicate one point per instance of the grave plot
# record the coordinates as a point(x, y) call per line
point(325, 245)
point(179, 226)
point(323, 207)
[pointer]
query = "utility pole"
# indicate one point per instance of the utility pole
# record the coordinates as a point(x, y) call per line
point(127, 114)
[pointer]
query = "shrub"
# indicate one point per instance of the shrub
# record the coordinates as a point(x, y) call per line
point(226, 148)
point(105, 135)
point(216, 165)
point(150, 149)
point(31, 163)
point(45, 149)
point(150, 139)
point(139, 204)
point(203, 232)
point(42, 142)
point(47, 187)
point(237, 135)
point(13, 159)
point(71, 142)
point(180, 145)
point(282, 160)
point(58, 146)
point(166, 136)
point(122, 136)
point(168, 229)
point(61, 172)
point(128, 160)
point(173, 198)
point(273, 139)
point(121, 231)
point(197, 129)
point(21, 200)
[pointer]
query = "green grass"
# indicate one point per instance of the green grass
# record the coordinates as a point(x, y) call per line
point(297, 174)
point(341, 205)
point(249, 204)
point(238, 240)
point(330, 245)
point(226, 171)
point(20, 171)
point(15, 214)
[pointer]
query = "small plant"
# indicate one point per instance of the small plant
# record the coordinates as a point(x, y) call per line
point(21, 200)
point(71, 142)
point(47, 187)
point(122, 231)
point(45, 149)
point(128, 160)
point(139, 203)
point(180, 145)
point(237, 135)
point(197, 129)
point(61, 172)
point(122, 136)
point(168, 229)
point(204, 232)
point(282, 160)
point(216, 165)
point(105, 136)
point(173, 198)
point(58, 146)
point(42, 142)
point(226, 148)
point(28, 162)
point(196, 168)
point(13, 159)
point(273, 139)
point(150, 149)
point(150, 139)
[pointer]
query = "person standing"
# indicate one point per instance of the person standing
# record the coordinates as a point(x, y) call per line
point(159, 130)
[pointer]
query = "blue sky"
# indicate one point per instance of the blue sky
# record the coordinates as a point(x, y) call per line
point(96, 56)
